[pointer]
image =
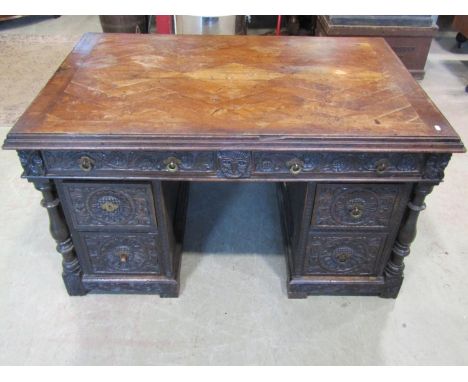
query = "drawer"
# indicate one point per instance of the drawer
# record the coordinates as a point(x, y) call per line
point(94, 205)
point(300, 164)
point(91, 163)
point(232, 164)
point(119, 253)
point(343, 253)
point(357, 205)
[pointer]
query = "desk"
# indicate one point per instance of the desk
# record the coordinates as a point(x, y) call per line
point(127, 121)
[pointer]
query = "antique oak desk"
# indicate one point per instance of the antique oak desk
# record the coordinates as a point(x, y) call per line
point(127, 121)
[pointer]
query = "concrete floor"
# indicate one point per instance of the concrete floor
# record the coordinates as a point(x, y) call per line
point(233, 308)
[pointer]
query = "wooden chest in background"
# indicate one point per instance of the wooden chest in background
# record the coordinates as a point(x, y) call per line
point(410, 37)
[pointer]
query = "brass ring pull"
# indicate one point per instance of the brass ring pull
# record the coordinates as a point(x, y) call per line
point(381, 166)
point(86, 163)
point(356, 212)
point(343, 257)
point(109, 206)
point(172, 167)
point(295, 168)
point(172, 164)
point(123, 257)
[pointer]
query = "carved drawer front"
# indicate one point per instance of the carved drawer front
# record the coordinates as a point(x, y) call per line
point(360, 205)
point(89, 163)
point(104, 205)
point(297, 164)
point(121, 252)
point(349, 254)
point(226, 164)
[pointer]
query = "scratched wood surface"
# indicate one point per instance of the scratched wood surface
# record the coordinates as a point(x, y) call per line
point(233, 86)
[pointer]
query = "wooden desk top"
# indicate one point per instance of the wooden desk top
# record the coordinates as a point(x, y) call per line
point(226, 92)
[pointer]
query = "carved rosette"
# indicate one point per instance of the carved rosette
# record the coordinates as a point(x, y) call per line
point(110, 207)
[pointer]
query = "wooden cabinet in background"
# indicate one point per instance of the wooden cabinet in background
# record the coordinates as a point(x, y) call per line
point(410, 37)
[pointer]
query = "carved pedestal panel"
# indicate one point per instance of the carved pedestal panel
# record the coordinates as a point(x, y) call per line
point(126, 234)
point(349, 238)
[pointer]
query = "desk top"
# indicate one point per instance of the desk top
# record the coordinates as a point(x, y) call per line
point(227, 92)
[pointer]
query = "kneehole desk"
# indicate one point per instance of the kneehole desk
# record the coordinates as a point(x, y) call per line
point(128, 121)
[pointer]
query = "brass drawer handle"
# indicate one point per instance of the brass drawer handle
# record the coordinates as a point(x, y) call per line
point(172, 167)
point(295, 166)
point(86, 163)
point(381, 166)
point(356, 212)
point(109, 206)
point(343, 257)
point(172, 164)
point(123, 256)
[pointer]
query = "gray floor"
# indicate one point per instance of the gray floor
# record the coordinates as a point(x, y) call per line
point(233, 307)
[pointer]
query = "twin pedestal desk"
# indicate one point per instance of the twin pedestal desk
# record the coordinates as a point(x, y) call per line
point(128, 121)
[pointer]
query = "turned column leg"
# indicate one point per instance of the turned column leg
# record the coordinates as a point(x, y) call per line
point(395, 266)
point(61, 234)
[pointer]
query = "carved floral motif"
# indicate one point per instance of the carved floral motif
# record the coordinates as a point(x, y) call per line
point(129, 160)
point(237, 164)
point(267, 162)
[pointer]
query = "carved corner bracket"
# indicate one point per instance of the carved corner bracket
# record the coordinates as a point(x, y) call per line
point(32, 162)
point(435, 166)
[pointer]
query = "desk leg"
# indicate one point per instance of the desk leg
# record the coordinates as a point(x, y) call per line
point(59, 230)
point(395, 266)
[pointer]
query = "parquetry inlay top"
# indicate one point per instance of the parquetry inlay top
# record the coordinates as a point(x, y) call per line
point(113, 84)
